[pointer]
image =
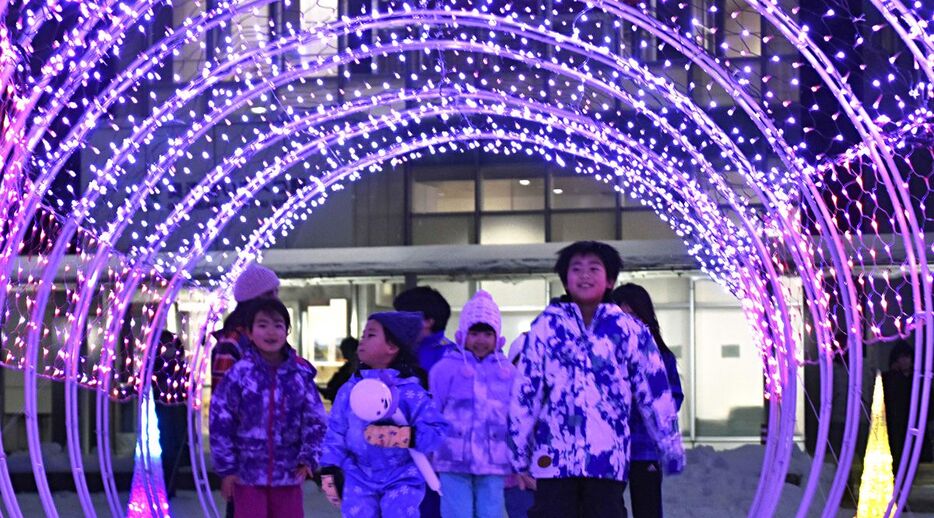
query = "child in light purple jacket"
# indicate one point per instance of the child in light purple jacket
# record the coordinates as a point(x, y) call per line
point(472, 386)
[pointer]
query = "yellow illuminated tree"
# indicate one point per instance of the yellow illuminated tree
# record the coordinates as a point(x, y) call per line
point(877, 483)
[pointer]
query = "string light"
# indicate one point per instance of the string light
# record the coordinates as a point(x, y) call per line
point(743, 130)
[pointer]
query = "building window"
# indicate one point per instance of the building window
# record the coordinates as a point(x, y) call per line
point(190, 58)
point(314, 14)
point(513, 187)
point(644, 224)
point(512, 229)
point(575, 226)
point(742, 30)
point(443, 189)
point(443, 230)
point(581, 192)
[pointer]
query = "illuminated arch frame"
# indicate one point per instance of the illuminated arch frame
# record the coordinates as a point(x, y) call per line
point(884, 160)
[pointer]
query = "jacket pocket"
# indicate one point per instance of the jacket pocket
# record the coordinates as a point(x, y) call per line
point(497, 446)
point(453, 448)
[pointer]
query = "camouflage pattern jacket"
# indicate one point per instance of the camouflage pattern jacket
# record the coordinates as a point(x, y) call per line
point(474, 397)
point(265, 422)
point(570, 406)
point(226, 352)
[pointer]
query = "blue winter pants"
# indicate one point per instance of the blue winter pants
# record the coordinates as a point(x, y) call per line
point(472, 496)
point(399, 499)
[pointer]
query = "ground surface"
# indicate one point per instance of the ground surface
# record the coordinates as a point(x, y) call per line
point(715, 484)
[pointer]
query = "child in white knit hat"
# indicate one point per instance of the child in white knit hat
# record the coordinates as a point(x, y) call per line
point(472, 385)
point(255, 283)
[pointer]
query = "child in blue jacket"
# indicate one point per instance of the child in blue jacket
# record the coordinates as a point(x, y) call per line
point(645, 473)
point(267, 422)
point(378, 475)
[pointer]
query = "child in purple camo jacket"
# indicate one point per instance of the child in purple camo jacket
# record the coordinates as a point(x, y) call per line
point(267, 422)
point(472, 386)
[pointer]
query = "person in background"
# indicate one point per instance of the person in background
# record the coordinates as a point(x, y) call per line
point(267, 423)
point(585, 363)
point(432, 345)
point(897, 384)
point(645, 473)
point(348, 349)
point(472, 387)
point(518, 495)
point(170, 371)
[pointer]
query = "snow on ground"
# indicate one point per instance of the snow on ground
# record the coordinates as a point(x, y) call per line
point(719, 483)
point(716, 483)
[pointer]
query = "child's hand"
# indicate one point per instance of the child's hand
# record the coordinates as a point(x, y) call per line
point(329, 486)
point(673, 460)
point(227, 486)
point(388, 436)
point(304, 473)
point(673, 465)
point(526, 482)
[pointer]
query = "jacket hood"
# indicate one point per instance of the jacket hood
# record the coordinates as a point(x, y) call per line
point(607, 299)
point(461, 353)
point(560, 306)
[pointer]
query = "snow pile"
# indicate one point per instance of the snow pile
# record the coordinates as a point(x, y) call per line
point(724, 482)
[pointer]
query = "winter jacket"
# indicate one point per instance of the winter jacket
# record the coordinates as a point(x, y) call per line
point(474, 398)
point(227, 351)
point(569, 414)
point(265, 422)
point(375, 466)
point(432, 348)
point(643, 447)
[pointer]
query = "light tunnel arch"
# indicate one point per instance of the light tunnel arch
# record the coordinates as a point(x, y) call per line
point(74, 225)
point(922, 248)
point(167, 300)
point(232, 212)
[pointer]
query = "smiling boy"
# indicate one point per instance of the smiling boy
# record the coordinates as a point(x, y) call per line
point(585, 363)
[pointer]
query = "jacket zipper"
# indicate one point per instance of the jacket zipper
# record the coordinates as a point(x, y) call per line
point(270, 428)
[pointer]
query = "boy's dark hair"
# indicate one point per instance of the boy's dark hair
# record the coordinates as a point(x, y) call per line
point(640, 302)
point(237, 318)
point(427, 300)
point(348, 347)
point(608, 255)
point(481, 327)
point(269, 306)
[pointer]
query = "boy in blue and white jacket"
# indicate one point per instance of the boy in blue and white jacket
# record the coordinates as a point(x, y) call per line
point(585, 363)
point(472, 385)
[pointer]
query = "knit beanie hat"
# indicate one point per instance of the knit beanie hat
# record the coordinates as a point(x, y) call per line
point(480, 309)
point(253, 282)
point(405, 326)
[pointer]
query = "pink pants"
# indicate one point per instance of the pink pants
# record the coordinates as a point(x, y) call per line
point(268, 501)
